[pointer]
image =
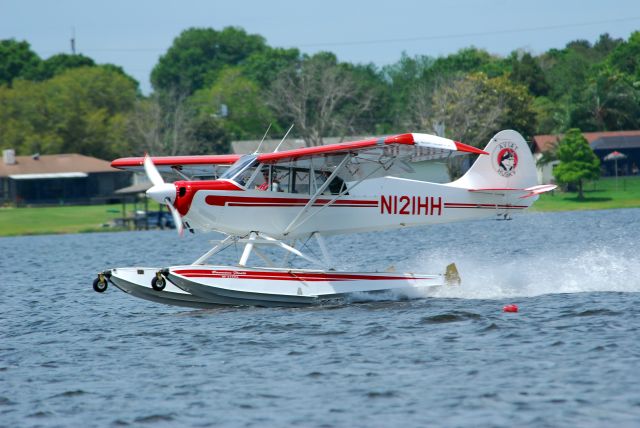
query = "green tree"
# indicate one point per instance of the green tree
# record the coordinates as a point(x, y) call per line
point(567, 69)
point(322, 97)
point(526, 71)
point(173, 124)
point(16, 60)
point(473, 108)
point(414, 81)
point(198, 54)
point(112, 68)
point(370, 83)
point(210, 136)
point(605, 46)
point(577, 161)
point(405, 81)
point(24, 119)
point(57, 64)
point(264, 66)
point(610, 101)
point(626, 56)
point(466, 60)
point(82, 110)
point(594, 84)
point(551, 117)
point(245, 113)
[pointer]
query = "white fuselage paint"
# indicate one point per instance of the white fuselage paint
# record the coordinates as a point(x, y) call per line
point(378, 204)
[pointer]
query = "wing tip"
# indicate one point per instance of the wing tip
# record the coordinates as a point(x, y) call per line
point(469, 149)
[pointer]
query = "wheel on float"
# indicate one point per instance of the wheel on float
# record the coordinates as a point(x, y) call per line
point(158, 283)
point(100, 284)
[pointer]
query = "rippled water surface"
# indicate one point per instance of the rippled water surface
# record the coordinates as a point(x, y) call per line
point(570, 357)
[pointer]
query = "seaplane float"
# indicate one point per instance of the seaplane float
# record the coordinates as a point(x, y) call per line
point(282, 199)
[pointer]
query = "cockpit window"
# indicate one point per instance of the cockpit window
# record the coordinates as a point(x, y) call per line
point(237, 169)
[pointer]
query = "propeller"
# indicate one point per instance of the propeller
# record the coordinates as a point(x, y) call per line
point(161, 192)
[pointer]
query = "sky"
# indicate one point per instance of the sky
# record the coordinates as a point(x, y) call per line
point(135, 33)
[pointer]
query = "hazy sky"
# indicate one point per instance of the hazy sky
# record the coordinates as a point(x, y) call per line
point(134, 33)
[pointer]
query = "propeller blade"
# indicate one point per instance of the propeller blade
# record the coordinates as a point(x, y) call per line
point(161, 190)
point(152, 171)
point(177, 218)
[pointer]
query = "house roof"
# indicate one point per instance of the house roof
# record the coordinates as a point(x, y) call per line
point(54, 164)
point(597, 140)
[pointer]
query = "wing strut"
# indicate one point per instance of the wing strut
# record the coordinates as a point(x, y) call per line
point(247, 249)
point(323, 248)
point(318, 193)
point(290, 249)
point(257, 239)
point(215, 250)
point(291, 225)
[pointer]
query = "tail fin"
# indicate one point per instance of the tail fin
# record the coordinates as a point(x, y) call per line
point(509, 165)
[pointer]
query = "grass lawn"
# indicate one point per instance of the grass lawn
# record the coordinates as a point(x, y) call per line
point(606, 193)
point(64, 219)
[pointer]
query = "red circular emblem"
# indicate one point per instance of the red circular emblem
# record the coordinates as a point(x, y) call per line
point(507, 161)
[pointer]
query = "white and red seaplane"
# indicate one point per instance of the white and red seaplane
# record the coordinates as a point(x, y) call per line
point(281, 199)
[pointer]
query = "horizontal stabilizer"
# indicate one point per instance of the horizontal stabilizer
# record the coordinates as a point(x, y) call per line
point(521, 193)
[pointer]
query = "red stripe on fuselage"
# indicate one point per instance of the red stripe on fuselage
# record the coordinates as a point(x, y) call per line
point(284, 276)
point(486, 206)
point(225, 200)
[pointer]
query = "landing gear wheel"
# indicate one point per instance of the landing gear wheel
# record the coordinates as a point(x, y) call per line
point(100, 284)
point(158, 283)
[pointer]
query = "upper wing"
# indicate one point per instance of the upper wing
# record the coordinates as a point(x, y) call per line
point(410, 147)
point(403, 147)
point(192, 166)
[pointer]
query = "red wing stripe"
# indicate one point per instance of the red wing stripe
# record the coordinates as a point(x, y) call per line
point(123, 163)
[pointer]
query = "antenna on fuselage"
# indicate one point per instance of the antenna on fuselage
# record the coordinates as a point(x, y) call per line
point(284, 138)
point(262, 141)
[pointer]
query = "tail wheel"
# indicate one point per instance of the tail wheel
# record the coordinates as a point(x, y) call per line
point(158, 282)
point(100, 284)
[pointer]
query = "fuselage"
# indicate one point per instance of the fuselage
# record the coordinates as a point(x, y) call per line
point(377, 204)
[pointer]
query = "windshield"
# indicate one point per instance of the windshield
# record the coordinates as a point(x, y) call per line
point(241, 165)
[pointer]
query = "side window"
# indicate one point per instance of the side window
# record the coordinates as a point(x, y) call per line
point(247, 177)
point(286, 179)
point(271, 179)
point(282, 177)
point(336, 186)
point(300, 181)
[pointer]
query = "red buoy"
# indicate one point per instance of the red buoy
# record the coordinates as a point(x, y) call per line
point(510, 308)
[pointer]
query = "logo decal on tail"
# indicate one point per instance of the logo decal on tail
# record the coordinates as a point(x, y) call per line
point(505, 159)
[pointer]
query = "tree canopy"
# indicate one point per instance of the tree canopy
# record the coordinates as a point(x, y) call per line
point(82, 110)
point(198, 54)
point(56, 65)
point(16, 60)
point(577, 161)
point(235, 102)
point(321, 96)
point(70, 103)
point(472, 107)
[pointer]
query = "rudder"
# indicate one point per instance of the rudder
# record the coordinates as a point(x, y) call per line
point(509, 165)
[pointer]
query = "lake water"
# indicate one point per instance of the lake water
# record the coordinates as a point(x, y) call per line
point(570, 357)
